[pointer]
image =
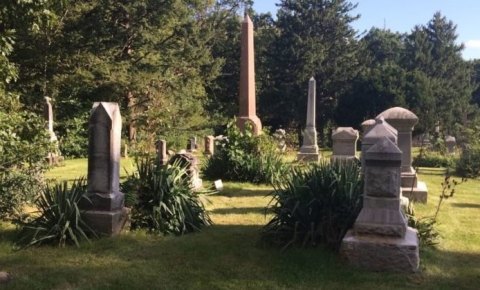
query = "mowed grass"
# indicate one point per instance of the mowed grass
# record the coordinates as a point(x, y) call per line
point(230, 255)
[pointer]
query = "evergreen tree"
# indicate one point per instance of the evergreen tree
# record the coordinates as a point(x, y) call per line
point(434, 57)
point(314, 39)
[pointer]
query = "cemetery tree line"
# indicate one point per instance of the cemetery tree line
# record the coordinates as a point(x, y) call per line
point(173, 66)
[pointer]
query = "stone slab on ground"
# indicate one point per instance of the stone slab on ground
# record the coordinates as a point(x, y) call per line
point(379, 253)
point(416, 194)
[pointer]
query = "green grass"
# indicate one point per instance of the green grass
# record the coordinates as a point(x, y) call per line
point(229, 254)
point(74, 168)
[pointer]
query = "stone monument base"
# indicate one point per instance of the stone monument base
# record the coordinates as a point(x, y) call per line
point(108, 223)
point(381, 253)
point(416, 194)
point(409, 179)
point(308, 157)
point(253, 120)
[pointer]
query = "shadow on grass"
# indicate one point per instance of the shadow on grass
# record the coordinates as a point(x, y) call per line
point(466, 205)
point(431, 170)
point(8, 234)
point(244, 192)
point(456, 270)
point(239, 210)
point(221, 257)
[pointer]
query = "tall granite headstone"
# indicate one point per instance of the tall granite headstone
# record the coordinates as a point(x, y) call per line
point(403, 121)
point(309, 149)
point(106, 213)
point(161, 150)
point(248, 109)
point(209, 145)
point(381, 239)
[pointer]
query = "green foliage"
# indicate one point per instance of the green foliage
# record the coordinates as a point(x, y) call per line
point(468, 165)
point(311, 38)
point(241, 156)
point(163, 199)
point(74, 137)
point(23, 147)
point(433, 159)
point(58, 220)
point(315, 205)
point(427, 232)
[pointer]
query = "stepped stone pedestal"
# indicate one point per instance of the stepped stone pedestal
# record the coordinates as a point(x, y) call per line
point(404, 121)
point(380, 239)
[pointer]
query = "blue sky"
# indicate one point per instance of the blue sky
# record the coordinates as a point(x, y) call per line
point(403, 15)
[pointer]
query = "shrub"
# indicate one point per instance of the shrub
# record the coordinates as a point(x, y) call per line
point(245, 157)
point(58, 220)
point(433, 159)
point(74, 140)
point(24, 144)
point(315, 205)
point(17, 188)
point(165, 201)
point(468, 165)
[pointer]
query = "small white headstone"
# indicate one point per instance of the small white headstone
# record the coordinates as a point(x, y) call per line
point(218, 185)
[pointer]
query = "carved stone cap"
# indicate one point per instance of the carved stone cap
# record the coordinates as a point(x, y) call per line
point(384, 150)
point(399, 116)
point(450, 139)
point(380, 130)
point(345, 133)
point(369, 122)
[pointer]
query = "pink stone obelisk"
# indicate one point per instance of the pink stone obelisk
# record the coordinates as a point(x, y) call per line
point(248, 111)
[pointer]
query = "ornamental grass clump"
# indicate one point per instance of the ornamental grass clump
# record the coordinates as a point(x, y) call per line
point(315, 205)
point(244, 157)
point(58, 219)
point(165, 202)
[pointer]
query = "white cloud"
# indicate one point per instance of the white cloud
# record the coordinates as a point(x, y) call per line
point(474, 43)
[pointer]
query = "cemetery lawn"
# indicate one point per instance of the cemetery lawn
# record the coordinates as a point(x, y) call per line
point(229, 255)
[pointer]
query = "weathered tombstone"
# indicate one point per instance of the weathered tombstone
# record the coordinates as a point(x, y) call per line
point(380, 129)
point(248, 109)
point(451, 143)
point(344, 144)
point(309, 149)
point(161, 150)
point(106, 212)
point(192, 144)
point(367, 125)
point(380, 239)
point(280, 136)
point(190, 161)
point(54, 157)
point(404, 120)
point(209, 145)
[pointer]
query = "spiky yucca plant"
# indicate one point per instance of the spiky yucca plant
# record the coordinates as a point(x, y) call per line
point(58, 220)
point(166, 202)
point(315, 205)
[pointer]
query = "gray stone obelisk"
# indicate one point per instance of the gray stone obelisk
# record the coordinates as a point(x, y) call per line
point(106, 212)
point(309, 149)
point(247, 100)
